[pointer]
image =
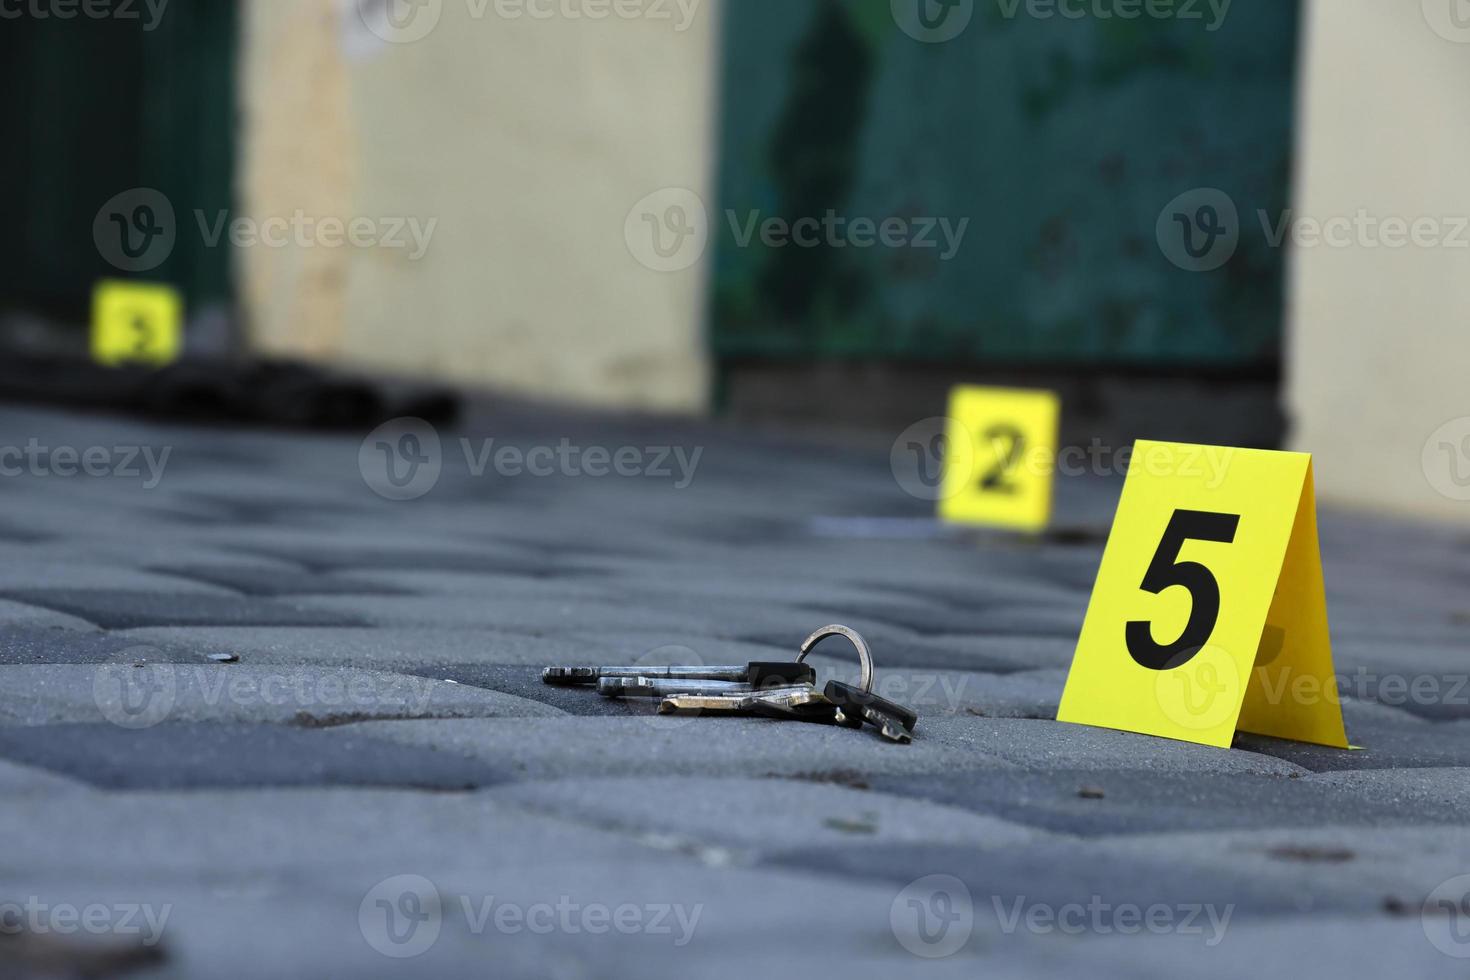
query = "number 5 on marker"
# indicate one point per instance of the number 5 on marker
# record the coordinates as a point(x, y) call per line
point(1166, 570)
point(1000, 455)
point(1209, 614)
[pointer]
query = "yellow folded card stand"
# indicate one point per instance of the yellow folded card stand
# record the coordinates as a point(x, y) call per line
point(1209, 614)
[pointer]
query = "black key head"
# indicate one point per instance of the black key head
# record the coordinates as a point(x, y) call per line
point(569, 676)
point(855, 702)
point(763, 674)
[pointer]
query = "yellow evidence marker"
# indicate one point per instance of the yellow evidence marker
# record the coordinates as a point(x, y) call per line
point(1209, 614)
point(1000, 453)
point(136, 323)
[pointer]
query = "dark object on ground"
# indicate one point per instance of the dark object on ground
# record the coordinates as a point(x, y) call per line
point(275, 393)
point(32, 955)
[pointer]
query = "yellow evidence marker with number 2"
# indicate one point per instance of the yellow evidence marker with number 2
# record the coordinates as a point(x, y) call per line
point(1000, 457)
point(136, 323)
point(1209, 613)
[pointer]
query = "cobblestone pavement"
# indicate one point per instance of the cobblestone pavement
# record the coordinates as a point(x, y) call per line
point(285, 727)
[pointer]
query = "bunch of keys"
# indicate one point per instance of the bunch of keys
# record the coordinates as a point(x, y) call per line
point(781, 690)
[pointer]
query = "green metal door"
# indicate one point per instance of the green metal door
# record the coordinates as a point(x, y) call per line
point(101, 105)
point(1061, 140)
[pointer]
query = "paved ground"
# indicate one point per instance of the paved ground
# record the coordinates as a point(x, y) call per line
point(374, 769)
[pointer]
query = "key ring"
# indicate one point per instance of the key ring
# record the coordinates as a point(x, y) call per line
point(864, 655)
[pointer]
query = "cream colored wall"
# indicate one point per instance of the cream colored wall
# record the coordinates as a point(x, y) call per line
point(1379, 343)
point(527, 139)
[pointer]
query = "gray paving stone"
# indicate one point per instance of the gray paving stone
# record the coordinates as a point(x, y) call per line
point(1046, 745)
point(1353, 654)
point(784, 907)
point(386, 649)
point(660, 579)
point(274, 504)
point(31, 644)
point(1429, 681)
point(1005, 653)
point(1362, 715)
point(176, 755)
point(17, 781)
point(997, 619)
point(512, 614)
point(1327, 947)
point(114, 609)
point(1091, 802)
point(280, 839)
point(1389, 623)
point(685, 913)
point(266, 878)
point(1385, 745)
point(19, 614)
point(240, 693)
point(273, 580)
point(133, 554)
point(345, 556)
point(1054, 873)
point(1018, 583)
point(490, 584)
point(525, 684)
point(1256, 876)
point(1359, 870)
point(15, 534)
point(41, 576)
point(1413, 791)
point(629, 647)
point(650, 744)
point(894, 647)
point(754, 816)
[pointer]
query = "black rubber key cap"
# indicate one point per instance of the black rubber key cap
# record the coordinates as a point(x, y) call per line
point(761, 674)
point(893, 721)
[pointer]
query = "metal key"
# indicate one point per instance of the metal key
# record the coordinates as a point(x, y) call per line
point(772, 689)
point(809, 706)
point(727, 704)
point(857, 705)
point(893, 721)
point(759, 673)
point(791, 699)
point(658, 687)
point(589, 676)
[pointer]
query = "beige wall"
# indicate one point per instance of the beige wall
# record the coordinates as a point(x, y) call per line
point(526, 140)
point(1380, 337)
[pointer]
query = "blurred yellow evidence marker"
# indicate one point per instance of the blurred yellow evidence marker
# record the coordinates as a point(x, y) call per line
point(999, 457)
point(136, 322)
point(1209, 613)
